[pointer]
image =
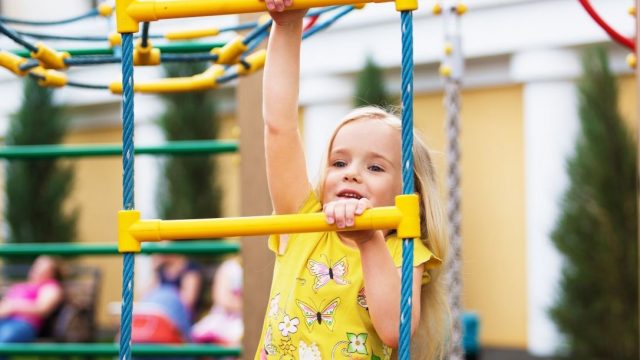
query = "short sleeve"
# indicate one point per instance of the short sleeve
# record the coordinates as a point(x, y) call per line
point(310, 205)
point(421, 255)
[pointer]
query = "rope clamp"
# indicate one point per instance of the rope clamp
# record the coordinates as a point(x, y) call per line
point(230, 53)
point(148, 55)
point(50, 78)
point(254, 61)
point(126, 242)
point(50, 58)
point(12, 62)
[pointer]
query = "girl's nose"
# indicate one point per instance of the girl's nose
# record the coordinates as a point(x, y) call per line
point(351, 175)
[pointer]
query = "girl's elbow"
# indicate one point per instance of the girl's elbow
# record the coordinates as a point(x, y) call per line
point(390, 338)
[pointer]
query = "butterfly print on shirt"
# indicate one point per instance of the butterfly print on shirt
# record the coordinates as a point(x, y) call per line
point(323, 272)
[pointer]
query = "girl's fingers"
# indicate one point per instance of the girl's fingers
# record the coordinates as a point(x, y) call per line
point(328, 213)
point(363, 204)
point(350, 211)
point(288, 2)
point(339, 213)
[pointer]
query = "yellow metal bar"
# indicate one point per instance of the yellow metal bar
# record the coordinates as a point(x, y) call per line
point(404, 217)
point(132, 12)
point(191, 34)
point(199, 82)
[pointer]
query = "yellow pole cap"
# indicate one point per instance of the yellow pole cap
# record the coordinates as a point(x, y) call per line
point(12, 62)
point(632, 10)
point(50, 78)
point(448, 48)
point(105, 10)
point(126, 242)
point(445, 70)
point(50, 58)
point(461, 9)
point(359, 6)
point(115, 39)
point(632, 60)
point(437, 9)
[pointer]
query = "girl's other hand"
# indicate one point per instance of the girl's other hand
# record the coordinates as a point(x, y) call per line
point(343, 212)
point(281, 16)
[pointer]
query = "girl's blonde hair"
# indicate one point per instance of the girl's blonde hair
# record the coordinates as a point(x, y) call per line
point(428, 341)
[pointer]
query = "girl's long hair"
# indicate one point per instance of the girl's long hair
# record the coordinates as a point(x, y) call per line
point(429, 339)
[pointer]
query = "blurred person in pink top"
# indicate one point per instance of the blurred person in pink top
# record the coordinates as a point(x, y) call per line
point(26, 305)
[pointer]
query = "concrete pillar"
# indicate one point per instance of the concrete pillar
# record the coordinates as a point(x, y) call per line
point(551, 125)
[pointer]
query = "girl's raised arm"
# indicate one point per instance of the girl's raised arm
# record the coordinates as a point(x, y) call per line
point(286, 168)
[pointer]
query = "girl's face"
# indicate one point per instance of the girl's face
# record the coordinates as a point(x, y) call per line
point(364, 161)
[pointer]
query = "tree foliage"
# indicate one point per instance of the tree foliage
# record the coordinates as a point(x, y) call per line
point(370, 89)
point(37, 189)
point(188, 190)
point(597, 232)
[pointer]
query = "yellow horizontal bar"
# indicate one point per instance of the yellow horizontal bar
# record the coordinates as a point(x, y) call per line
point(132, 12)
point(198, 82)
point(157, 230)
point(404, 217)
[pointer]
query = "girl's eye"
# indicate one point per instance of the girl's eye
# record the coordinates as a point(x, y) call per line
point(376, 168)
point(339, 163)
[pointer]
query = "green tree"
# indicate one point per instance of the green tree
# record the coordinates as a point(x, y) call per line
point(36, 189)
point(370, 88)
point(597, 232)
point(188, 190)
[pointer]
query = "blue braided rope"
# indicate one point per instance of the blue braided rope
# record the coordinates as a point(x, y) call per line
point(11, 34)
point(344, 11)
point(127, 189)
point(407, 181)
point(91, 13)
point(257, 32)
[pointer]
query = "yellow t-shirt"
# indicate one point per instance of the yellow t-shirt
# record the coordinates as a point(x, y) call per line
point(317, 306)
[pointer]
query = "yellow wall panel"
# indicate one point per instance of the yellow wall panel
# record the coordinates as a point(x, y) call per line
point(493, 228)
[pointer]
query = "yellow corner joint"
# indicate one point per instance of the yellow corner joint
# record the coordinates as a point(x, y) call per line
point(191, 34)
point(144, 56)
point(126, 242)
point(406, 5)
point(230, 53)
point(50, 58)
point(252, 63)
point(12, 62)
point(50, 78)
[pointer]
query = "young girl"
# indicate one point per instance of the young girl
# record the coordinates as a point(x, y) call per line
point(336, 295)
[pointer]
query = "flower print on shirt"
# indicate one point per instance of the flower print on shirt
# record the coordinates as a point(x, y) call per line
point(357, 343)
point(274, 306)
point(308, 352)
point(325, 272)
point(288, 326)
